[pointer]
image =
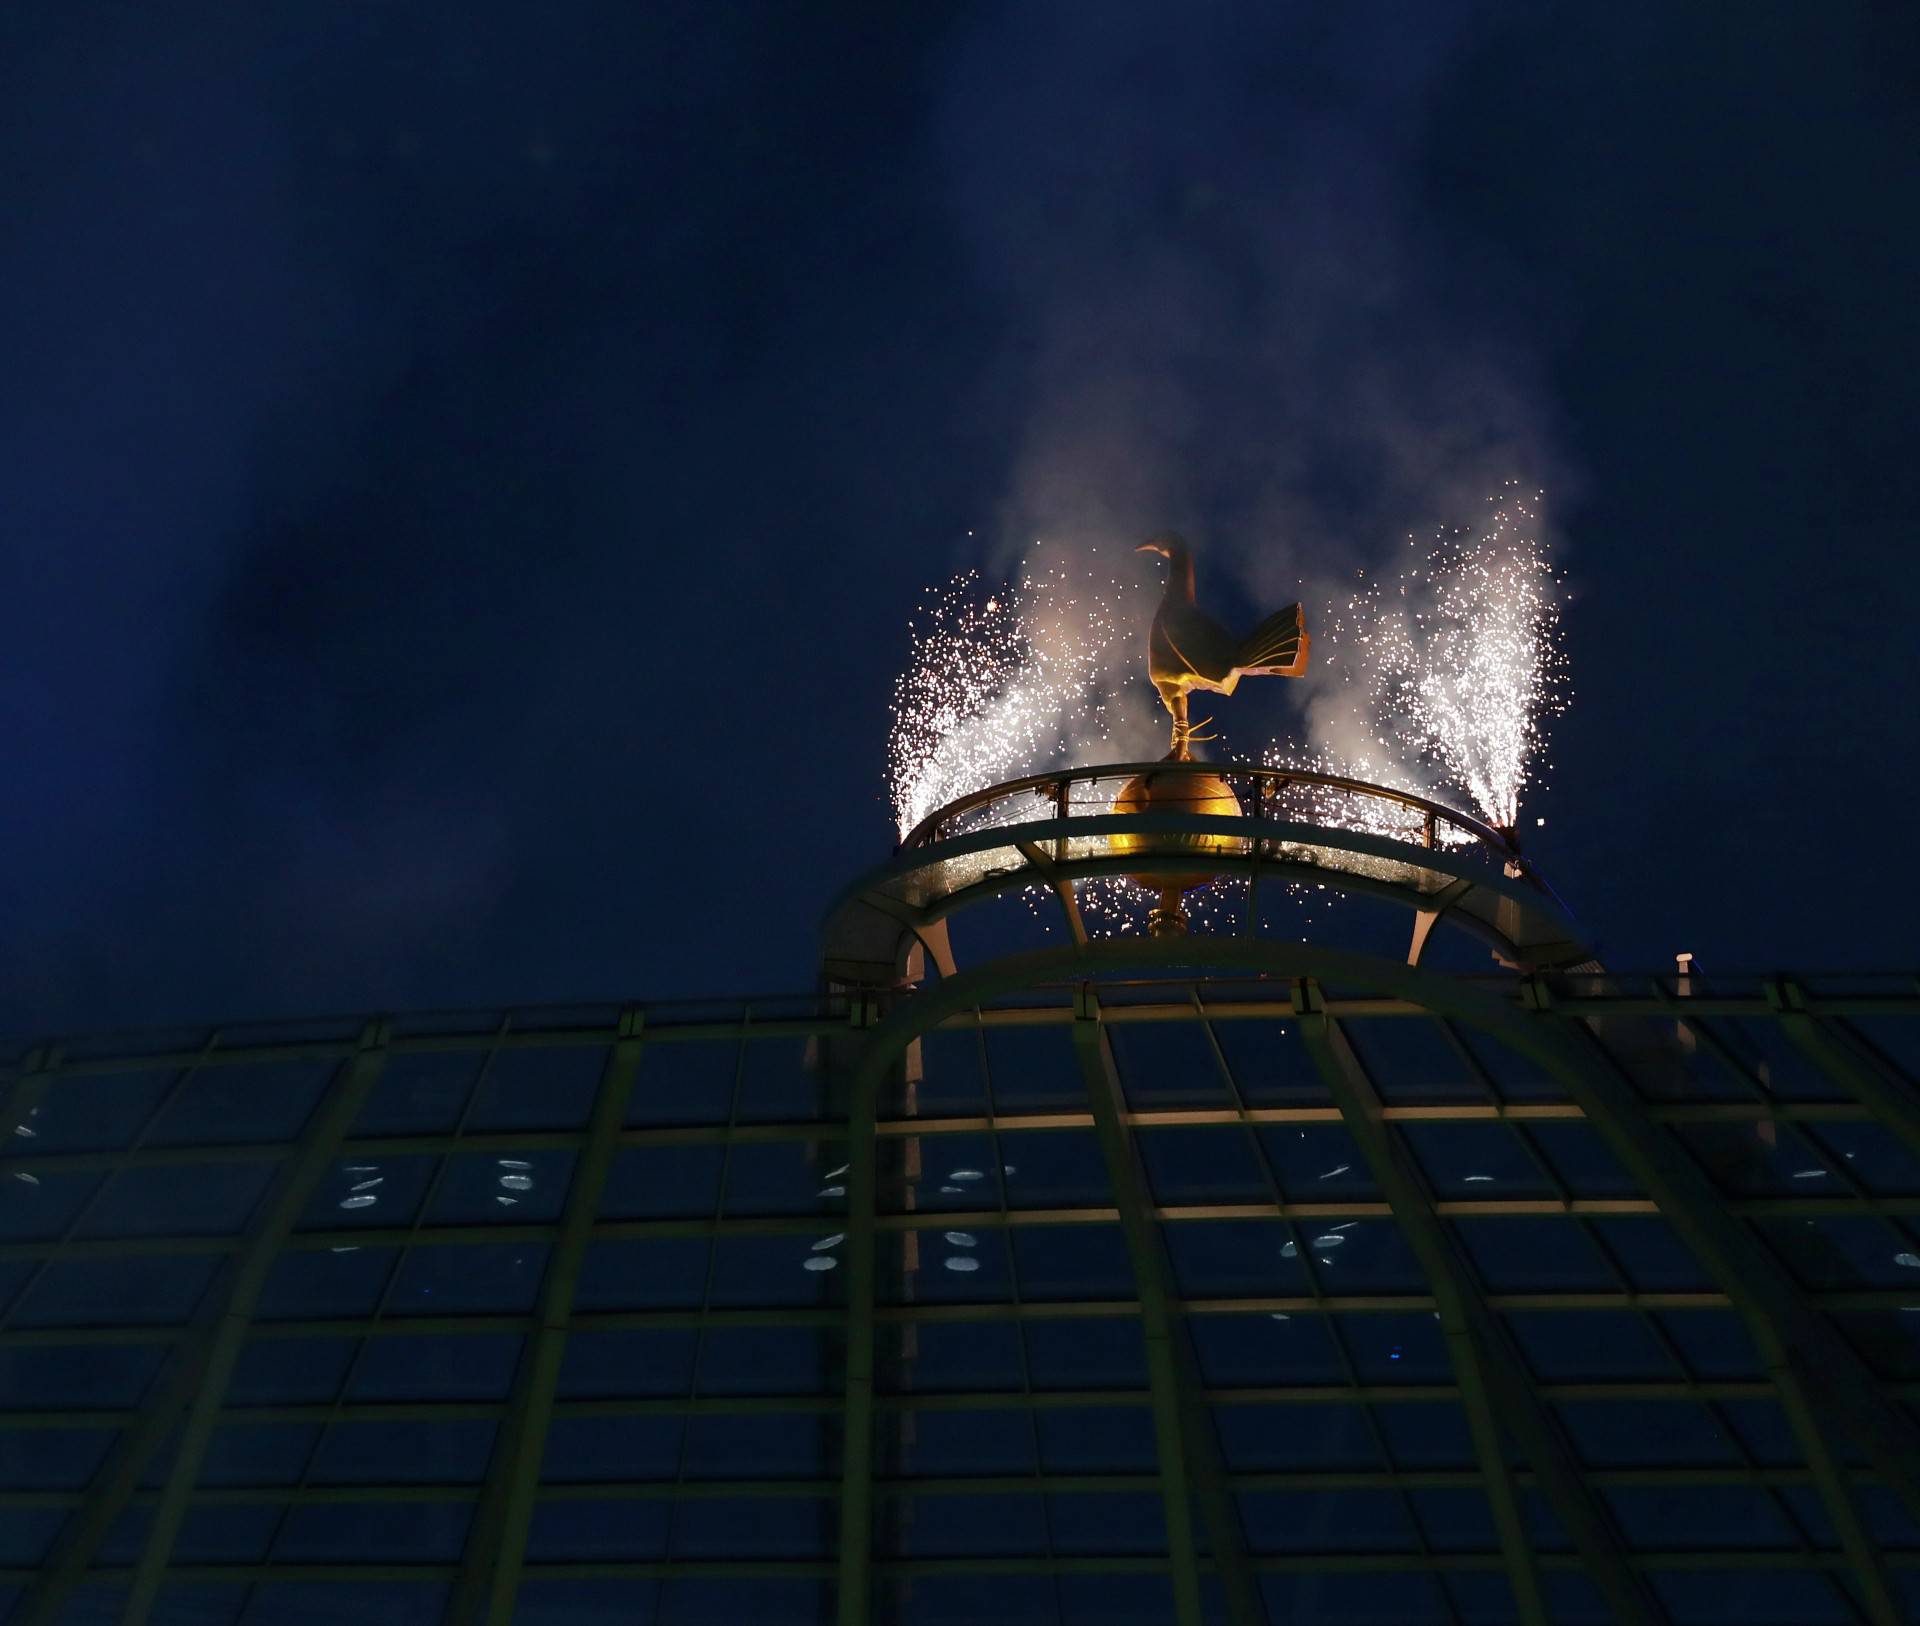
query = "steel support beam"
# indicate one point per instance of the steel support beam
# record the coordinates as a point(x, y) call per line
point(1188, 1450)
point(853, 1057)
point(1485, 1363)
point(489, 1579)
point(196, 1382)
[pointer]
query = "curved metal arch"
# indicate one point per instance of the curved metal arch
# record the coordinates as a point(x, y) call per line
point(871, 926)
point(1796, 1337)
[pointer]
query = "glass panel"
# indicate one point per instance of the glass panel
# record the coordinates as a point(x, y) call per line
point(1871, 1155)
point(1326, 1521)
point(1652, 1255)
point(540, 1088)
point(779, 1084)
point(1472, 1160)
point(1317, 1163)
point(1589, 1346)
point(1384, 1598)
point(756, 1271)
point(40, 1207)
point(1393, 1348)
point(1034, 1070)
point(940, 1442)
point(51, 1458)
point(1582, 1160)
point(1167, 1064)
point(1298, 1439)
point(1240, 1350)
point(1221, 1258)
point(405, 1453)
point(289, 1371)
point(1096, 1440)
point(952, 1082)
point(1524, 1255)
point(1776, 1598)
point(1361, 1256)
point(1759, 1160)
point(469, 1278)
point(1108, 1353)
point(374, 1532)
point(1645, 1433)
point(658, 1273)
point(1427, 1434)
point(420, 1094)
point(1715, 1344)
point(117, 1290)
point(1698, 1518)
point(1110, 1522)
point(90, 1375)
point(518, 1188)
point(1844, 1252)
point(1055, 1168)
point(245, 1102)
point(368, 1191)
point(574, 1531)
point(937, 1357)
point(1270, 1065)
point(1411, 1062)
point(764, 1528)
point(663, 1182)
point(944, 1267)
point(601, 1450)
point(582, 1603)
point(960, 1526)
point(392, 1603)
point(770, 1361)
point(90, 1114)
point(940, 1173)
point(612, 1365)
point(258, 1453)
point(420, 1366)
point(766, 1603)
point(1202, 1165)
point(784, 1177)
point(316, 1284)
point(762, 1445)
point(225, 1534)
point(685, 1082)
point(1455, 1521)
point(1073, 1262)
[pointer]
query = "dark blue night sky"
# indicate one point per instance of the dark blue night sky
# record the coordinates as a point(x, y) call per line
point(403, 404)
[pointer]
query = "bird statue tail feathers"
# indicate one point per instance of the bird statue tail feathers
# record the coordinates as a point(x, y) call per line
point(1277, 647)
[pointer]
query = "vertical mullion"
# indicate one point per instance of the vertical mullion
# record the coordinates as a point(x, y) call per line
point(854, 1603)
point(496, 1543)
point(1156, 1317)
point(1323, 1305)
point(317, 1144)
point(1483, 1361)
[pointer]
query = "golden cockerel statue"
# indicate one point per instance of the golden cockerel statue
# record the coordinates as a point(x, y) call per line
point(1188, 649)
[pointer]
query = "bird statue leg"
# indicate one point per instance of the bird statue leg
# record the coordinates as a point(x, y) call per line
point(1177, 704)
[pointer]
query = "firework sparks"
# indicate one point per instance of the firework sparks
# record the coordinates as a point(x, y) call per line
point(1451, 668)
point(1004, 682)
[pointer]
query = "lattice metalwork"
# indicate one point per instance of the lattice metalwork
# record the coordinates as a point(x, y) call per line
point(1076, 1289)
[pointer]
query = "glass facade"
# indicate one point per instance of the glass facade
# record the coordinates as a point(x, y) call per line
point(1152, 1298)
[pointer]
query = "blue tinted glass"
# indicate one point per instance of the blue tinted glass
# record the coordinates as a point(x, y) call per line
point(420, 1094)
point(540, 1088)
point(525, 1187)
point(1394, 1348)
point(391, 1603)
point(1583, 1161)
point(1455, 1521)
point(472, 1277)
point(758, 1271)
point(596, 1450)
point(1060, 1168)
point(212, 1199)
point(950, 1266)
point(1317, 1163)
point(1107, 1353)
point(685, 1083)
point(313, 1284)
point(1167, 1064)
point(374, 1532)
point(580, 1603)
point(1096, 1440)
point(1845, 1252)
point(765, 1527)
point(1426, 1434)
point(1326, 1521)
point(765, 1603)
point(927, 1442)
point(226, 1534)
point(1121, 1600)
point(88, 1375)
point(952, 1082)
point(1871, 1155)
point(781, 1082)
point(965, 1600)
point(576, 1530)
point(1203, 1165)
point(784, 1177)
point(1698, 1517)
point(1270, 1065)
point(1240, 1350)
point(1760, 1160)
point(1296, 1439)
point(1525, 1255)
point(1034, 1070)
point(51, 1458)
point(1218, 1258)
point(606, 1365)
point(952, 1173)
point(1713, 1343)
point(258, 1453)
point(1777, 1598)
point(197, 1603)
point(1645, 1433)
point(663, 1182)
point(937, 1357)
point(762, 1445)
point(659, 1273)
point(245, 1102)
point(770, 1360)
point(117, 1290)
point(974, 1526)
point(1108, 1522)
point(1360, 1256)
point(1410, 1061)
point(1465, 1161)
point(400, 1452)
point(289, 1371)
point(419, 1366)
point(1581, 1346)
point(1652, 1255)
point(37, 1207)
point(1073, 1262)
point(368, 1191)
point(89, 1113)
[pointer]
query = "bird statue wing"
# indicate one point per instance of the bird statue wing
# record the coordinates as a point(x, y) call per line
point(1277, 647)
